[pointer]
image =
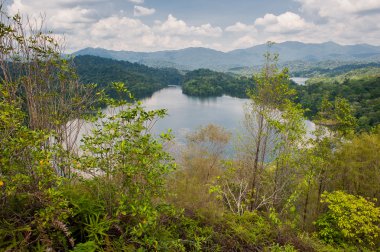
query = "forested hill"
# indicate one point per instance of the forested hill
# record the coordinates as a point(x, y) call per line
point(141, 80)
point(360, 87)
point(328, 69)
point(205, 82)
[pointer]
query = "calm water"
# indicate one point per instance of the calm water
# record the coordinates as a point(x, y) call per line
point(187, 113)
point(299, 80)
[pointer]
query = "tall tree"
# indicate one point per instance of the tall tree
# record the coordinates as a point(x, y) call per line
point(34, 72)
point(273, 124)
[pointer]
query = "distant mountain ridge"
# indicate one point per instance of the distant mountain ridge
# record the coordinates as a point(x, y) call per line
point(198, 57)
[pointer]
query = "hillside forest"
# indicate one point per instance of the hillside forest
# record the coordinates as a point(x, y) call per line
point(122, 190)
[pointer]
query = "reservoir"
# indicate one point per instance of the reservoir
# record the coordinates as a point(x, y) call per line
point(186, 113)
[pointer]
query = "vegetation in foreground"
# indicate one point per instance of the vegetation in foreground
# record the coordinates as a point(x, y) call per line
point(123, 192)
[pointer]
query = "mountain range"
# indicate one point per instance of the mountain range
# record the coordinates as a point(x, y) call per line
point(198, 57)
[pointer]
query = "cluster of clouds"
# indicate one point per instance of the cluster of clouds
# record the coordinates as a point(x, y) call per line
point(342, 21)
point(100, 23)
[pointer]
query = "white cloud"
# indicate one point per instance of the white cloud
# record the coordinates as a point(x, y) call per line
point(36, 7)
point(240, 27)
point(72, 18)
point(206, 30)
point(139, 11)
point(176, 26)
point(110, 33)
point(126, 33)
point(115, 27)
point(172, 26)
point(244, 42)
point(345, 21)
point(57, 18)
point(136, 1)
point(284, 23)
point(338, 8)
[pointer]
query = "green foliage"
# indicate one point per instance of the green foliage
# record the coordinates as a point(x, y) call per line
point(205, 83)
point(194, 235)
point(122, 199)
point(362, 92)
point(143, 81)
point(272, 84)
point(34, 73)
point(89, 246)
point(274, 130)
point(200, 163)
point(97, 228)
point(328, 69)
point(357, 165)
point(247, 231)
point(33, 210)
point(140, 80)
point(122, 154)
point(349, 218)
point(337, 116)
point(279, 248)
point(231, 188)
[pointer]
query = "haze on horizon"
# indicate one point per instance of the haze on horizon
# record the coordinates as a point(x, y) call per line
point(148, 25)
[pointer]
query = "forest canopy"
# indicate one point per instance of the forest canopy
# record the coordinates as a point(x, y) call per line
point(360, 88)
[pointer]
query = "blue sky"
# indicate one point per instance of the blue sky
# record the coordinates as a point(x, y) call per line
point(152, 25)
point(221, 12)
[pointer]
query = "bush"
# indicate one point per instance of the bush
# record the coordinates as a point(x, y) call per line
point(350, 219)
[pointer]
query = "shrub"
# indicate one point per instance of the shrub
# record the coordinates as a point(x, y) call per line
point(350, 219)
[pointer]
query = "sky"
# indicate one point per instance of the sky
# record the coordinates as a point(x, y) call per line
point(225, 25)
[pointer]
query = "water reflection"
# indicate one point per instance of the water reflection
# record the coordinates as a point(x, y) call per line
point(187, 113)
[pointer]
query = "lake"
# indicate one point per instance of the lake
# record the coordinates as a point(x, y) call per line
point(186, 113)
point(299, 80)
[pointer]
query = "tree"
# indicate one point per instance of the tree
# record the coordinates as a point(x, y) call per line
point(231, 187)
point(122, 155)
point(316, 163)
point(335, 124)
point(200, 164)
point(349, 218)
point(337, 116)
point(274, 125)
point(33, 209)
point(357, 165)
point(34, 72)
